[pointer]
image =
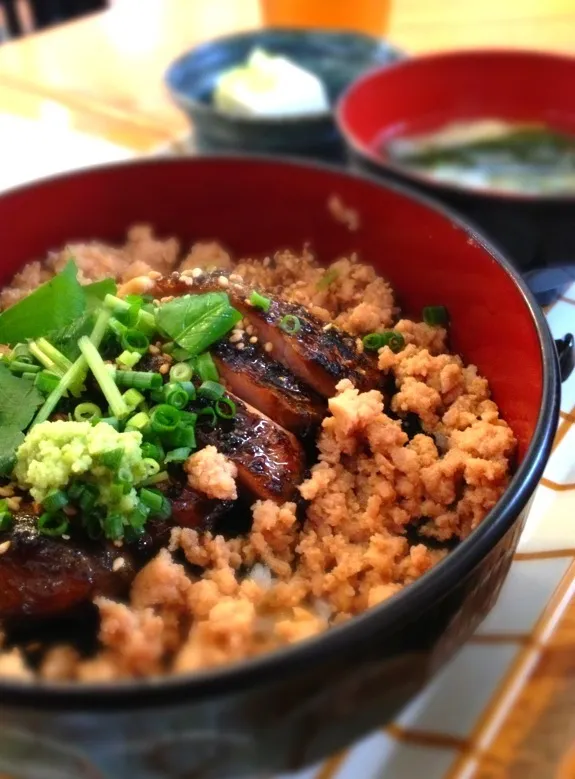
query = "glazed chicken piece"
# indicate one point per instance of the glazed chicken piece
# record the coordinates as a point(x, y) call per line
point(267, 385)
point(319, 355)
point(270, 460)
point(42, 576)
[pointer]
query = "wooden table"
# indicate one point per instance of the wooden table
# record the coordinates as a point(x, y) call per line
point(107, 69)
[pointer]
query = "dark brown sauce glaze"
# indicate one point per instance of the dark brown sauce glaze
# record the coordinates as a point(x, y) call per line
point(267, 385)
point(270, 460)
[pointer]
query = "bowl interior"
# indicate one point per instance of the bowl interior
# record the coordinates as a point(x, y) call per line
point(336, 58)
point(256, 206)
point(425, 93)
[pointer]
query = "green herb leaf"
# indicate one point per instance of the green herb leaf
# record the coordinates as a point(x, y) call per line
point(10, 440)
point(53, 305)
point(19, 400)
point(195, 322)
point(96, 292)
point(66, 339)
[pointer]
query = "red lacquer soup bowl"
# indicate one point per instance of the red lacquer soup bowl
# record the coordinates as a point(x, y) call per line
point(285, 709)
point(425, 93)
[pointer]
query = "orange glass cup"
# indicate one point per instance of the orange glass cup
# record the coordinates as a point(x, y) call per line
point(366, 16)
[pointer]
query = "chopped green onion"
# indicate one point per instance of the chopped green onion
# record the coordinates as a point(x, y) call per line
point(21, 352)
point(372, 342)
point(151, 466)
point(116, 305)
point(151, 499)
point(209, 414)
point(87, 499)
point(140, 380)
point(6, 521)
point(93, 526)
point(176, 396)
point(135, 341)
point(189, 389)
point(128, 359)
point(181, 371)
point(30, 376)
point(188, 418)
point(435, 315)
point(206, 367)
point(394, 340)
point(117, 327)
point(52, 524)
point(133, 398)
point(165, 511)
point(290, 324)
point(16, 366)
point(184, 436)
point(134, 301)
point(112, 421)
point(51, 355)
point(159, 477)
point(152, 451)
point(211, 390)
point(85, 412)
point(46, 382)
point(106, 383)
point(259, 301)
point(113, 527)
point(139, 421)
point(75, 490)
point(146, 322)
point(327, 279)
point(55, 501)
point(74, 377)
point(225, 408)
point(178, 455)
point(165, 418)
point(137, 518)
point(112, 458)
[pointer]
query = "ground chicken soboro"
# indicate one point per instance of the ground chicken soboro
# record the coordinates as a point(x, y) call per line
point(371, 484)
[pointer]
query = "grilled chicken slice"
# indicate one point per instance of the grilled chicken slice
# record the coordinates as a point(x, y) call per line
point(41, 576)
point(317, 354)
point(269, 459)
point(267, 385)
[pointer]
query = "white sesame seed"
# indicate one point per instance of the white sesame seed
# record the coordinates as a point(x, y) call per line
point(250, 330)
point(188, 272)
point(164, 368)
point(153, 274)
point(14, 503)
point(7, 491)
point(359, 345)
point(268, 346)
point(118, 563)
point(236, 277)
point(189, 282)
point(175, 276)
point(155, 302)
point(153, 349)
point(254, 339)
point(118, 543)
point(327, 327)
point(167, 299)
point(223, 281)
point(240, 346)
point(66, 538)
point(235, 337)
point(5, 546)
point(197, 272)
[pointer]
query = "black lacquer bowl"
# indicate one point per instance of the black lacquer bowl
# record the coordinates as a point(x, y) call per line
point(283, 710)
